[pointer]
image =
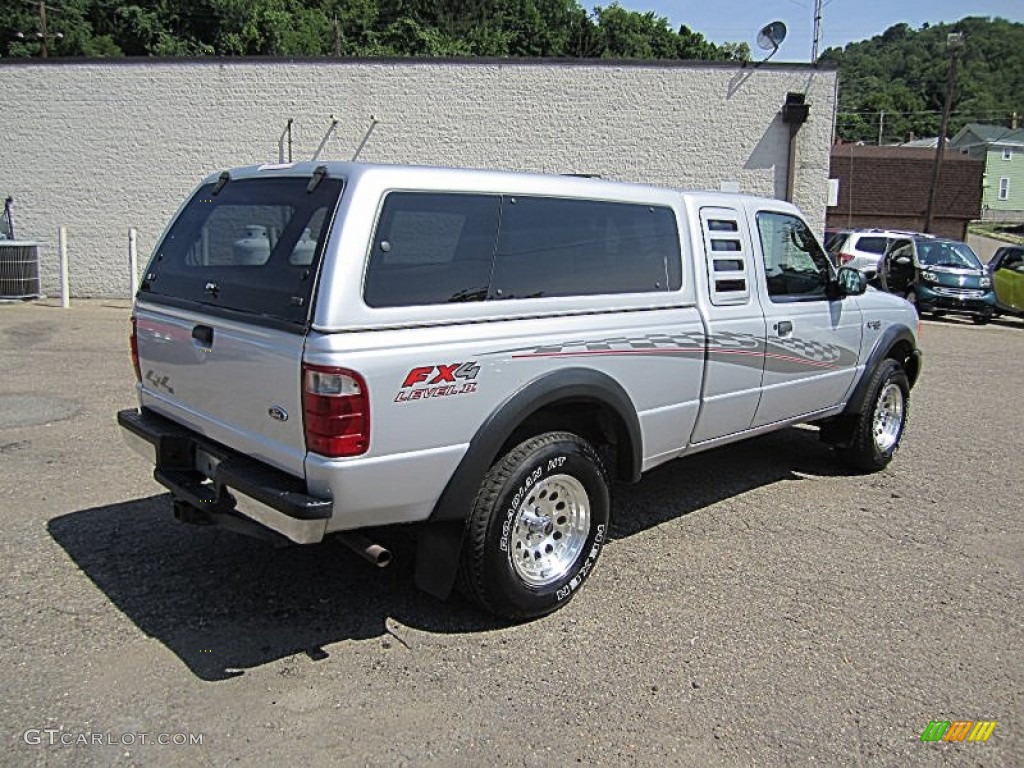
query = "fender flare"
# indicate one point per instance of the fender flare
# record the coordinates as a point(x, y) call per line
point(890, 337)
point(440, 540)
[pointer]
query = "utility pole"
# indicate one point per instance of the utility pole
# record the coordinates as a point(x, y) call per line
point(881, 125)
point(817, 30)
point(336, 32)
point(42, 35)
point(955, 46)
point(43, 52)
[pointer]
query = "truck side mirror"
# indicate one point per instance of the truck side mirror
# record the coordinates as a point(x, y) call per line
point(852, 282)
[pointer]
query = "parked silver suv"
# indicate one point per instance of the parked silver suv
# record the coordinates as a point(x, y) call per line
point(863, 249)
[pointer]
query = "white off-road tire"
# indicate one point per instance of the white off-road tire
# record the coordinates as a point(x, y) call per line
point(537, 527)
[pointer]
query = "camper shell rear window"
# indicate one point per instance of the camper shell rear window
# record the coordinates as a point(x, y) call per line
point(251, 247)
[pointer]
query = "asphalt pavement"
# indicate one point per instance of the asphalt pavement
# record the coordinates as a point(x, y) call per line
point(757, 605)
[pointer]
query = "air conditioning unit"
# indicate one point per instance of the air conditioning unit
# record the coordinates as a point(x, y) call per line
point(19, 270)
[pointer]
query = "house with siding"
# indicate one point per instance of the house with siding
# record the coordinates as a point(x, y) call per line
point(1002, 149)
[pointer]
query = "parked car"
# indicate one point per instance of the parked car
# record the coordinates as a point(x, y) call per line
point(833, 239)
point(863, 248)
point(939, 275)
point(1007, 271)
point(483, 353)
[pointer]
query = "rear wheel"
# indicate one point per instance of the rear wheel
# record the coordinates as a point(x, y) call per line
point(537, 526)
point(980, 319)
point(878, 426)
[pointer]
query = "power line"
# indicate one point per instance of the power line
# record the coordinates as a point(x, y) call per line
point(870, 112)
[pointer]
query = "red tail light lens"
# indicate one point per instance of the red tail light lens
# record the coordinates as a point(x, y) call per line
point(845, 258)
point(134, 343)
point(336, 409)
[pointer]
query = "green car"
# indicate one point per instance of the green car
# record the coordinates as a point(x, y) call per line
point(1007, 271)
point(939, 276)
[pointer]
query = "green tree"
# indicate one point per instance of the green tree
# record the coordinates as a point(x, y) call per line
point(633, 35)
point(497, 28)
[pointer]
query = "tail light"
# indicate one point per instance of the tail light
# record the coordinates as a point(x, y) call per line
point(134, 343)
point(845, 258)
point(336, 407)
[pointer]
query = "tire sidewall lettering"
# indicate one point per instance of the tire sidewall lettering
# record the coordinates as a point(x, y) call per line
point(512, 507)
point(574, 583)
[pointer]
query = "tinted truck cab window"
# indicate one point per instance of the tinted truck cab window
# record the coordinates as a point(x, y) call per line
point(795, 266)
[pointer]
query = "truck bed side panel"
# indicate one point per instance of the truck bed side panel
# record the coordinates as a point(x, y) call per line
point(431, 389)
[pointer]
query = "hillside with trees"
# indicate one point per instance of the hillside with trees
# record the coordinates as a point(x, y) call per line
point(903, 73)
point(349, 28)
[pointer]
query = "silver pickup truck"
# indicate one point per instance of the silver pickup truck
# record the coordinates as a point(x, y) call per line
point(326, 348)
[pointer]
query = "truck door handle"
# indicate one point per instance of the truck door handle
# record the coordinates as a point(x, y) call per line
point(784, 328)
point(204, 335)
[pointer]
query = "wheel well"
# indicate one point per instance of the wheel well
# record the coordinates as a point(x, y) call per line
point(903, 353)
point(595, 422)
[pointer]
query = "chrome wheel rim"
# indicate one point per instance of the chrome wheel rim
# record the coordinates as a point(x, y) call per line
point(549, 530)
point(888, 419)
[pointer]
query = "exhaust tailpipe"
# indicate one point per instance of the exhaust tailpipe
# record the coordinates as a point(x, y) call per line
point(366, 549)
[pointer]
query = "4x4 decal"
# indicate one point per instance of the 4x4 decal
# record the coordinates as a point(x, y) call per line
point(441, 380)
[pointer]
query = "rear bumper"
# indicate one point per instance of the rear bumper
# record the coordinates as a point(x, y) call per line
point(221, 482)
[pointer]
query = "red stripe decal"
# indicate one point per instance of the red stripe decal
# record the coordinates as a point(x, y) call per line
point(664, 350)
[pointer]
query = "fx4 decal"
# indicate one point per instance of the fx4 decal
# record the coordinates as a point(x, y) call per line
point(443, 380)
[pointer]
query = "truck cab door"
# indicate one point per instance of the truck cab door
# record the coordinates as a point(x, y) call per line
point(736, 326)
point(813, 339)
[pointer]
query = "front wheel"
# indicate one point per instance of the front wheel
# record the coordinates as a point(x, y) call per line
point(878, 427)
point(537, 526)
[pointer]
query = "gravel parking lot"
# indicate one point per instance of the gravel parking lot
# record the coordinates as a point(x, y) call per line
point(757, 604)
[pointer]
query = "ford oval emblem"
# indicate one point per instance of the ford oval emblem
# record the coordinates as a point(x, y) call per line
point(278, 413)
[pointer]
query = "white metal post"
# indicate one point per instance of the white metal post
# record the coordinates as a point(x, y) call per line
point(62, 248)
point(133, 263)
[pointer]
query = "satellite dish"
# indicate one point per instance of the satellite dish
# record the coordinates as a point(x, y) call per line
point(770, 37)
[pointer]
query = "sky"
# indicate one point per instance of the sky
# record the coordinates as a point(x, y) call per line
point(843, 21)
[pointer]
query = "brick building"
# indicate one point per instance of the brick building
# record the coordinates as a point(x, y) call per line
point(887, 187)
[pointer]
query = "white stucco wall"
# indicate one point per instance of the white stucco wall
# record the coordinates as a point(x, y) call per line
point(99, 147)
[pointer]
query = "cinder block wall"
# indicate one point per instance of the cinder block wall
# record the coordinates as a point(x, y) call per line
point(102, 146)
